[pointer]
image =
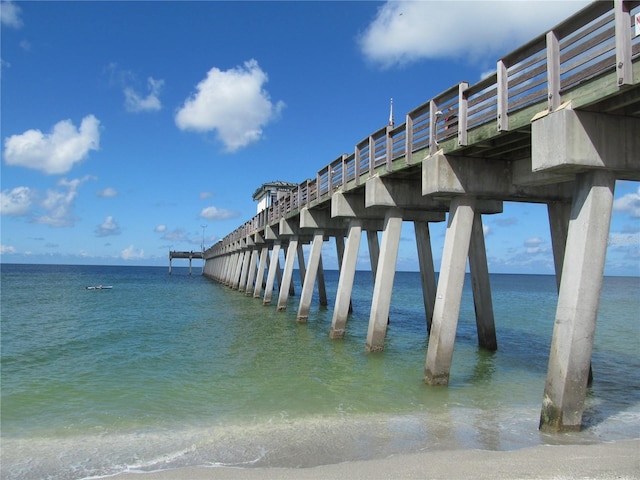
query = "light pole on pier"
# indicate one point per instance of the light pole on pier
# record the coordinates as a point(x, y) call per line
point(203, 227)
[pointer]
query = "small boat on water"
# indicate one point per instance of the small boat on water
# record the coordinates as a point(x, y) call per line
point(100, 287)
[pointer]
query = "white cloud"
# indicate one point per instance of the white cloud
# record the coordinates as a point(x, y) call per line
point(407, 31)
point(107, 192)
point(130, 253)
point(59, 204)
point(628, 203)
point(10, 15)
point(151, 103)
point(214, 213)
point(534, 245)
point(16, 202)
point(624, 238)
point(232, 103)
point(7, 249)
point(55, 152)
point(177, 235)
point(204, 195)
point(107, 228)
point(160, 228)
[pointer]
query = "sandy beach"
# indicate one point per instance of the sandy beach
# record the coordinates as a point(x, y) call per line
point(617, 460)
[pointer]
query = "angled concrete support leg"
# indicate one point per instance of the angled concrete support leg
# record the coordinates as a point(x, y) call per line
point(244, 272)
point(235, 283)
point(347, 275)
point(340, 251)
point(252, 272)
point(427, 270)
point(559, 215)
point(274, 266)
point(287, 275)
point(310, 277)
point(229, 268)
point(302, 269)
point(322, 288)
point(481, 287)
point(374, 250)
point(264, 254)
point(449, 292)
point(383, 287)
point(578, 301)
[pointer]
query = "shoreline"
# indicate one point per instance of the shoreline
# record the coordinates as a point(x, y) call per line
point(619, 460)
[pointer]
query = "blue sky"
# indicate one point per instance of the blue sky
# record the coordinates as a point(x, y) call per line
point(128, 126)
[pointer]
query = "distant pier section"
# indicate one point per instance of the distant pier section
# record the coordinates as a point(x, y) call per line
point(190, 255)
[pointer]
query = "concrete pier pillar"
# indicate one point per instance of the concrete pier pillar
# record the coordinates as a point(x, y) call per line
point(287, 275)
point(427, 270)
point(252, 272)
point(449, 291)
point(347, 275)
point(244, 272)
point(235, 283)
point(322, 289)
point(374, 250)
point(310, 276)
point(559, 215)
point(230, 268)
point(340, 252)
point(481, 287)
point(274, 265)
point(578, 300)
point(301, 263)
point(262, 263)
point(385, 274)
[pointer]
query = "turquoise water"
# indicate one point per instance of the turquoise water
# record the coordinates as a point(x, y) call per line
point(168, 371)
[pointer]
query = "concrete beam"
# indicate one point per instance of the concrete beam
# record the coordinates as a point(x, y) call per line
point(258, 239)
point(572, 141)
point(522, 174)
point(311, 218)
point(448, 176)
point(400, 193)
point(352, 205)
point(271, 232)
point(289, 226)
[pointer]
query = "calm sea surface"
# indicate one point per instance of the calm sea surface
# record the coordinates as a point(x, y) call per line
point(167, 371)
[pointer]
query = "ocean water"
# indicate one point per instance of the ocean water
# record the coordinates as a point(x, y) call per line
point(165, 371)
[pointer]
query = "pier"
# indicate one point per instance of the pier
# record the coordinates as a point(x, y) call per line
point(557, 123)
point(190, 255)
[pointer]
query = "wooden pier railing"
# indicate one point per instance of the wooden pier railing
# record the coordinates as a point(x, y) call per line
point(588, 57)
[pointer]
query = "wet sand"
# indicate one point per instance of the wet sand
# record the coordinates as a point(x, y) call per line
point(617, 460)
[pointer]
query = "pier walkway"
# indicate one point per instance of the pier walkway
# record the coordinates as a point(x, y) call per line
point(557, 123)
point(190, 255)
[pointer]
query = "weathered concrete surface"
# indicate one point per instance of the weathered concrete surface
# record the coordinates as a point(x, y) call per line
point(571, 141)
point(449, 291)
point(449, 175)
point(310, 276)
point(287, 275)
point(383, 286)
point(345, 282)
point(578, 301)
point(274, 265)
point(481, 286)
